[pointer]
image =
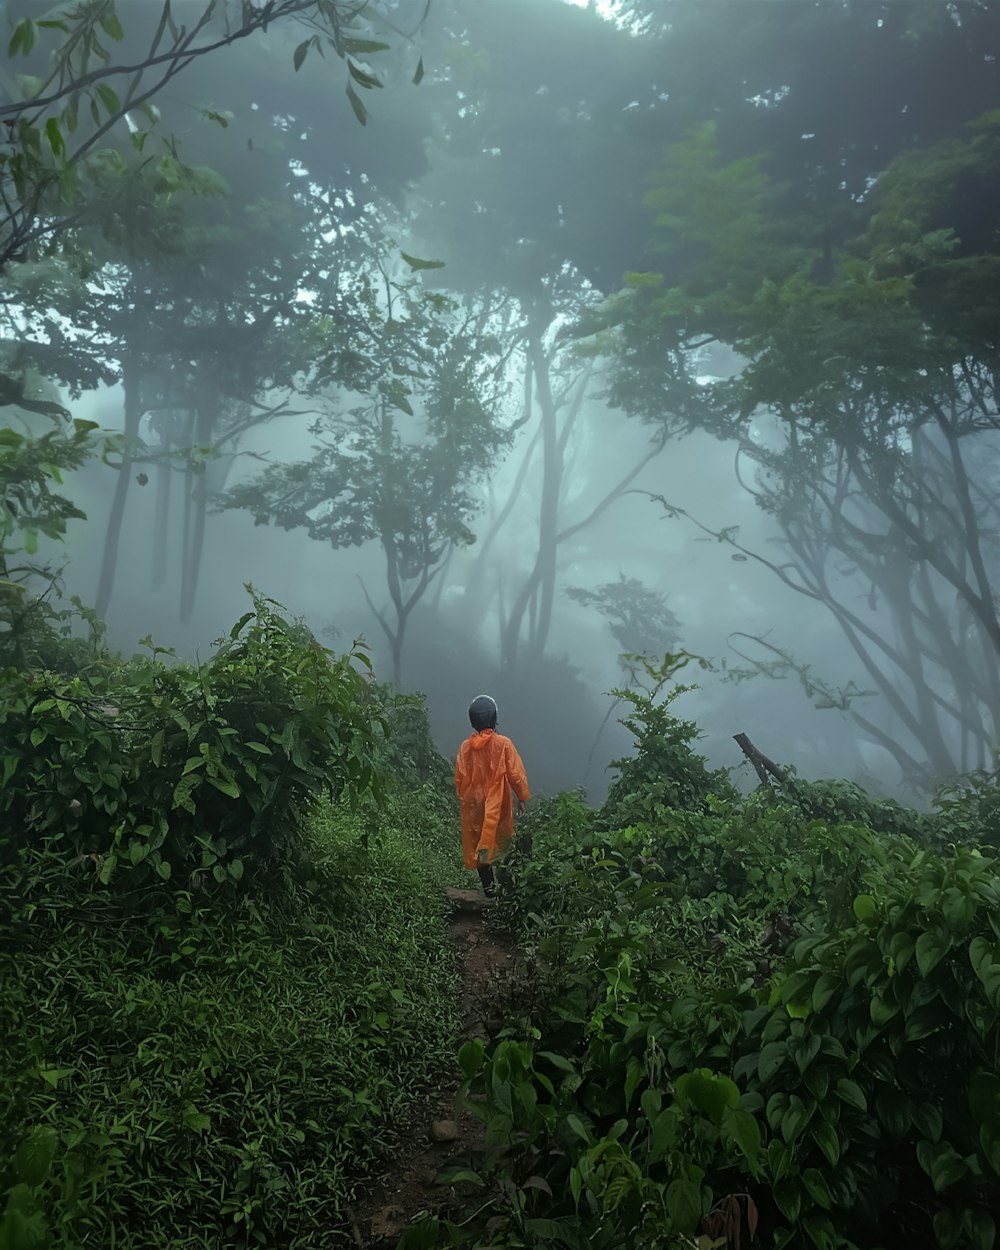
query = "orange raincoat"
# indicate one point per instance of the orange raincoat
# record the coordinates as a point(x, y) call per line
point(488, 767)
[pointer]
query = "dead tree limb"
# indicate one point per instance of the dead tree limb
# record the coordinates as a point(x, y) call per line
point(762, 765)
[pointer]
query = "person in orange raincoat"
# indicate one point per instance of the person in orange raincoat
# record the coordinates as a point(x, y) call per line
point(488, 771)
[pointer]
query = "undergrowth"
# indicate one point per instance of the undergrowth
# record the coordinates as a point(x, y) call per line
point(225, 972)
point(771, 1020)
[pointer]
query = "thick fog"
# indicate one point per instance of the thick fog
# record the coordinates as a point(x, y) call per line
point(525, 145)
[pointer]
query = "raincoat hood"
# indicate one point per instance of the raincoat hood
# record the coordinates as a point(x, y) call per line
point(481, 739)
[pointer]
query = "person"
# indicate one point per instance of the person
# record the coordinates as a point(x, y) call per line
point(489, 779)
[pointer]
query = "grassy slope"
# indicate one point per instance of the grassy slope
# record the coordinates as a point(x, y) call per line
point(225, 1083)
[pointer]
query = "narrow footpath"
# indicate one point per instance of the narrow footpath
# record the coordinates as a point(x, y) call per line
point(446, 1135)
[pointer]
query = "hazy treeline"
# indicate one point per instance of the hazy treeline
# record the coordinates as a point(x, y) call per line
point(565, 331)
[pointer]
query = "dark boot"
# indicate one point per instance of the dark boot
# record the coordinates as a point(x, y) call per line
point(487, 878)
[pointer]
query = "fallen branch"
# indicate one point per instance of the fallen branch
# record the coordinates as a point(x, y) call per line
point(762, 765)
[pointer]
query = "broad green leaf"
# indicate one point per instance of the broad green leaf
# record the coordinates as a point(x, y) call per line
point(815, 1183)
point(226, 786)
point(111, 25)
point(108, 98)
point(634, 1077)
point(824, 989)
point(298, 56)
point(788, 1196)
point(982, 1229)
point(989, 1144)
point(458, 1176)
point(579, 1128)
point(54, 136)
point(819, 1230)
point(470, 1058)
point(23, 1225)
point(958, 907)
point(23, 39)
point(416, 263)
point(707, 1093)
point(941, 1163)
point(932, 947)
point(196, 1120)
point(651, 1102)
point(850, 1092)
point(418, 75)
point(360, 112)
point(825, 1136)
point(557, 1061)
point(33, 1158)
point(742, 1128)
point(107, 868)
point(795, 1119)
point(928, 1120)
point(52, 1076)
point(864, 907)
point(947, 1228)
point(361, 77)
point(684, 1205)
point(361, 47)
point(771, 1059)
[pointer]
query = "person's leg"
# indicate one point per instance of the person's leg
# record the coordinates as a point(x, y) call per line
point(486, 877)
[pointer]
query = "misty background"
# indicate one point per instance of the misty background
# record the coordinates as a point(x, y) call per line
point(448, 302)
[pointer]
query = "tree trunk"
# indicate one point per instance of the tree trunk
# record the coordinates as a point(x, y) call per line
point(161, 522)
point(112, 535)
point(195, 544)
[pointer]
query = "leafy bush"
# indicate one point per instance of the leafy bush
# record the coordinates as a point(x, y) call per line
point(665, 772)
point(409, 754)
point(744, 1023)
point(841, 802)
point(224, 1078)
point(967, 813)
point(154, 771)
point(29, 506)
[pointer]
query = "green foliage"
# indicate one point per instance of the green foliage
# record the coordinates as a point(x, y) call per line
point(192, 775)
point(639, 619)
point(30, 468)
point(967, 812)
point(50, 164)
point(225, 1077)
point(409, 755)
point(665, 772)
point(845, 802)
point(774, 1017)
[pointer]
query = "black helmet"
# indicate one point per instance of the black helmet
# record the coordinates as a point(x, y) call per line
point(483, 713)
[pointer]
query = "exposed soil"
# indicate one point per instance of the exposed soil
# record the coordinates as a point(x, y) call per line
point(447, 1135)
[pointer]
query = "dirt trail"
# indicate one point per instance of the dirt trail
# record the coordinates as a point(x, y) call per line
point(409, 1188)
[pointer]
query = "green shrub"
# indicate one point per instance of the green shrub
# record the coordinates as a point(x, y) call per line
point(967, 813)
point(225, 1078)
point(744, 1021)
point(665, 772)
point(159, 772)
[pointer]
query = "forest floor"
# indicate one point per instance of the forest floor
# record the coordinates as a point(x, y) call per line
point(446, 1134)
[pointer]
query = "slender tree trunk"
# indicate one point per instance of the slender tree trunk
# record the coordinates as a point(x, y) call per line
point(161, 523)
point(542, 576)
point(195, 545)
point(397, 640)
point(112, 535)
point(189, 476)
point(548, 526)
